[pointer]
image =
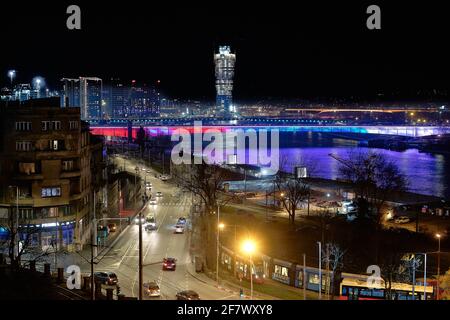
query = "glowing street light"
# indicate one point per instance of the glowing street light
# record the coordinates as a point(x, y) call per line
point(221, 226)
point(438, 236)
point(249, 248)
point(11, 75)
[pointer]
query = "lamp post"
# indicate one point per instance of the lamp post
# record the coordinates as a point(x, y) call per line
point(438, 236)
point(11, 75)
point(249, 247)
point(135, 188)
point(220, 226)
point(16, 234)
point(320, 269)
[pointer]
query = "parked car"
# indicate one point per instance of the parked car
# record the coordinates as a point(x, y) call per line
point(159, 194)
point(179, 228)
point(152, 289)
point(108, 278)
point(164, 178)
point(169, 264)
point(402, 219)
point(188, 295)
point(112, 227)
point(152, 202)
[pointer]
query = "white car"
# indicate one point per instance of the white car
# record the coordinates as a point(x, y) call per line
point(159, 194)
point(164, 178)
point(179, 229)
point(152, 202)
point(402, 219)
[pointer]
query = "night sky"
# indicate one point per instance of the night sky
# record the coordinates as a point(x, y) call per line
point(283, 50)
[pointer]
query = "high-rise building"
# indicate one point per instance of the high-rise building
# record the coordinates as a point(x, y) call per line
point(144, 101)
point(224, 62)
point(70, 96)
point(91, 98)
point(118, 98)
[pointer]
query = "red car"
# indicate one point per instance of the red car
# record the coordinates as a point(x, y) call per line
point(169, 264)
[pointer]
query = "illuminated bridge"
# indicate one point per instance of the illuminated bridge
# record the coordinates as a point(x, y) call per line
point(121, 131)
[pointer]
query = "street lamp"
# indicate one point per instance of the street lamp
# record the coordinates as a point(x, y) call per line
point(11, 75)
point(16, 234)
point(220, 226)
point(249, 247)
point(438, 236)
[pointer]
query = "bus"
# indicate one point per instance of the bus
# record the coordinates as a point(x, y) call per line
point(356, 287)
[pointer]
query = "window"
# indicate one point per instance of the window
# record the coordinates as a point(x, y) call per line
point(51, 212)
point(23, 145)
point(27, 168)
point(56, 125)
point(73, 125)
point(56, 145)
point(67, 165)
point(26, 213)
point(51, 192)
point(281, 270)
point(23, 126)
point(46, 125)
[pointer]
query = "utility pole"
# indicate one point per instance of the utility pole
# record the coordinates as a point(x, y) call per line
point(304, 277)
point(320, 270)
point(140, 255)
point(414, 278)
point(217, 258)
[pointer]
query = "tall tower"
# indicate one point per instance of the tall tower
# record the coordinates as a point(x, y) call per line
point(224, 62)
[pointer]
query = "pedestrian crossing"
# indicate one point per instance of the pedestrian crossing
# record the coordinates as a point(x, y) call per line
point(179, 203)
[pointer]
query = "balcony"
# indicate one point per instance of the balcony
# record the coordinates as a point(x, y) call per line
point(28, 177)
point(70, 174)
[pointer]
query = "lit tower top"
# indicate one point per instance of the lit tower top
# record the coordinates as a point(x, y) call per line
point(224, 62)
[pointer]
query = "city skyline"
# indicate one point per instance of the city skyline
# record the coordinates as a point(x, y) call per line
point(312, 52)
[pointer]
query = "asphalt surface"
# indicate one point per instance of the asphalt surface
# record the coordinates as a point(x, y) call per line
point(123, 257)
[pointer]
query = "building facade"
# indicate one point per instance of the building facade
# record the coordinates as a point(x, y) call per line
point(70, 95)
point(91, 98)
point(45, 171)
point(224, 69)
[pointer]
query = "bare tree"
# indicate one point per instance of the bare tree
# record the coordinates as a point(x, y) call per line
point(206, 182)
point(22, 233)
point(333, 257)
point(293, 190)
point(374, 178)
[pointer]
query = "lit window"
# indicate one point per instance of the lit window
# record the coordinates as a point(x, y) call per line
point(51, 192)
point(23, 145)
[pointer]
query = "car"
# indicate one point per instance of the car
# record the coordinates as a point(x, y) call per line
point(152, 289)
point(148, 170)
point(188, 295)
point(179, 229)
point(169, 264)
point(112, 227)
point(136, 220)
point(152, 202)
point(107, 278)
point(402, 219)
point(150, 223)
point(164, 178)
point(181, 220)
point(159, 194)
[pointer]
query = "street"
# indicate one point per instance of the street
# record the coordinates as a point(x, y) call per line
point(122, 258)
